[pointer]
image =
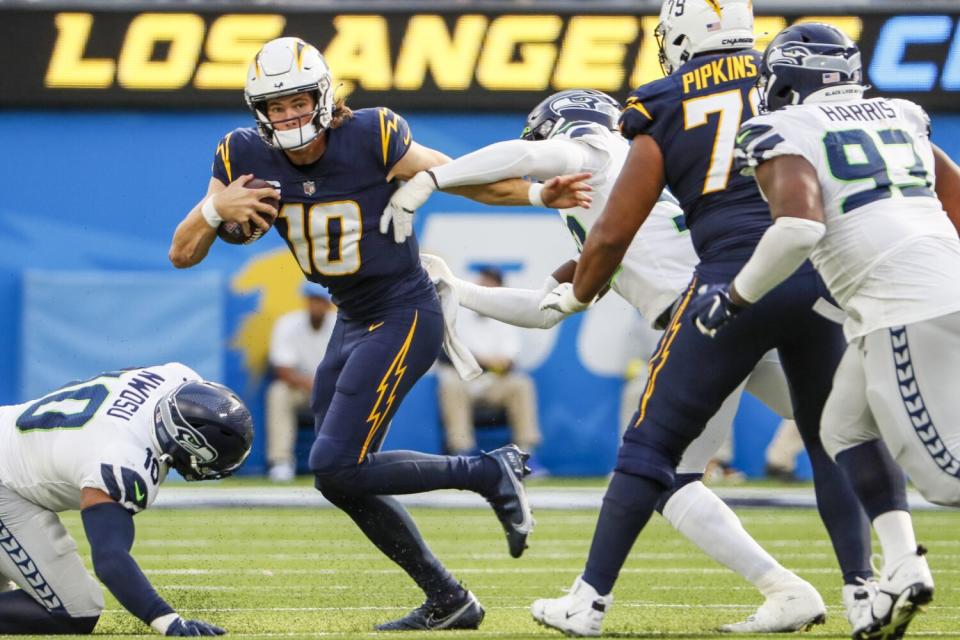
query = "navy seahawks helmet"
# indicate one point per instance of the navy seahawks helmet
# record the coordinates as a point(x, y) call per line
point(204, 430)
point(561, 111)
point(809, 60)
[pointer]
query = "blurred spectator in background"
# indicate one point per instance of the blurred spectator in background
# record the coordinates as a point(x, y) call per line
point(782, 452)
point(501, 387)
point(297, 345)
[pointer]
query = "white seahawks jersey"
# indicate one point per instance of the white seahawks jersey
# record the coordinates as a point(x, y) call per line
point(660, 260)
point(890, 255)
point(95, 433)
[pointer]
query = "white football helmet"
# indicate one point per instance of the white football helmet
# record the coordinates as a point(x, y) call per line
point(283, 67)
point(688, 27)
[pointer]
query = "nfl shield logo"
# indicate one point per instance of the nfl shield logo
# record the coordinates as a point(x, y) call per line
point(309, 187)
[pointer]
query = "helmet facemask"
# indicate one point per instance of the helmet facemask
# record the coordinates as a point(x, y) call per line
point(286, 67)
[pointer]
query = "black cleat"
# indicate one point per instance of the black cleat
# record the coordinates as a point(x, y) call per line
point(509, 499)
point(465, 613)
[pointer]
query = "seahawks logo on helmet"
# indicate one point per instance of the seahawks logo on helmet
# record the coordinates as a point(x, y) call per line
point(561, 111)
point(203, 429)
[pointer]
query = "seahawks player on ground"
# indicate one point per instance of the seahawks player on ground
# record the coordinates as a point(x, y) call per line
point(103, 446)
point(574, 132)
point(856, 185)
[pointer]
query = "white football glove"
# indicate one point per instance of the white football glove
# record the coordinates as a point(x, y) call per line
point(562, 299)
point(436, 267)
point(404, 203)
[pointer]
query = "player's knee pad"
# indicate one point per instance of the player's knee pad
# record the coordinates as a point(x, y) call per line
point(639, 456)
point(945, 492)
point(680, 481)
point(327, 457)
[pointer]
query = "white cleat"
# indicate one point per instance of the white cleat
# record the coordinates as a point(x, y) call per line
point(579, 613)
point(904, 590)
point(858, 602)
point(795, 607)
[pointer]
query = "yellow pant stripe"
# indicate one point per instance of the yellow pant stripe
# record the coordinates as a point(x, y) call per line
point(663, 352)
point(397, 368)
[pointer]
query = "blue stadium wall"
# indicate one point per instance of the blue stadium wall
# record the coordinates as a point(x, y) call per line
point(92, 200)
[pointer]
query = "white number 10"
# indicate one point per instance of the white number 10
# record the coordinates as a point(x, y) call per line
point(327, 239)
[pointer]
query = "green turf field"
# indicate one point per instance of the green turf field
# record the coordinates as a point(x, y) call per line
point(304, 572)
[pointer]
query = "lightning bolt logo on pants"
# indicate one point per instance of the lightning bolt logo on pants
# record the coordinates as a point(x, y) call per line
point(663, 353)
point(395, 372)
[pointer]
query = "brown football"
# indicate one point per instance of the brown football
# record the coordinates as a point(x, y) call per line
point(232, 232)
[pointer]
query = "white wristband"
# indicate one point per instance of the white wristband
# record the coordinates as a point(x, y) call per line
point(161, 624)
point(210, 214)
point(534, 194)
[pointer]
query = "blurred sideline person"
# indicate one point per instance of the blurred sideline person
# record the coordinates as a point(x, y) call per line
point(336, 169)
point(856, 185)
point(680, 141)
point(574, 131)
point(780, 456)
point(103, 446)
point(496, 346)
point(298, 343)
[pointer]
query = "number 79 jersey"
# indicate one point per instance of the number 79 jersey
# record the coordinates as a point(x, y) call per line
point(94, 433)
point(694, 115)
point(890, 255)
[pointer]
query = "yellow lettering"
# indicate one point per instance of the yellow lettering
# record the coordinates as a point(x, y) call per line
point(765, 28)
point(428, 45)
point(751, 67)
point(68, 68)
point(529, 38)
point(232, 43)
point(593, 52)
point(137, 69)
point(687, 81)
point(738, 68)
point(705, 74)
point(850, 25)
point(361, 51)
point(647, 66)
point(717, 68)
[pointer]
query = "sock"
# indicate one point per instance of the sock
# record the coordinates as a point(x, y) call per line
point(848, 527)
point(895, 531)
point(388, 526)
point(627, 506)
point(402, 472)
point(20, 614)
point(706, 520)
point(876, 477)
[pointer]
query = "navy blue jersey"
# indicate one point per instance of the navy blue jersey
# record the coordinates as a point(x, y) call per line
point(694, 115)
point(330, 210)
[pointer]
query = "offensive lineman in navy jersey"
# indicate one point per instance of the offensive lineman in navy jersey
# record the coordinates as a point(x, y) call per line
point(683, 129)
point(334, 169)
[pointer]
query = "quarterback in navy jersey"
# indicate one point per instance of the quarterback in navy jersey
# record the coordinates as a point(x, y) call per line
point(683, 129)
point(335, 170)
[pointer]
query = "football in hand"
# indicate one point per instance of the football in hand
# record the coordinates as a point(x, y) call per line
point(232, 232)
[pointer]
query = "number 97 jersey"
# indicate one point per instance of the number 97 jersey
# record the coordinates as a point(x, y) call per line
point(874, 162)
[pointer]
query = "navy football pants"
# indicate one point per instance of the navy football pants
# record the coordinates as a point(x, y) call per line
point(691, 374)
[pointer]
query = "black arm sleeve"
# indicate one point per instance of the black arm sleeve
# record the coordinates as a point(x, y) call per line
point(110, 531)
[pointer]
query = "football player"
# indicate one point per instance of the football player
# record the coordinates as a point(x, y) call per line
point(335, 170)
point(574, 132)
point(853, 183)
point(683, 128)
point(103, 446)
